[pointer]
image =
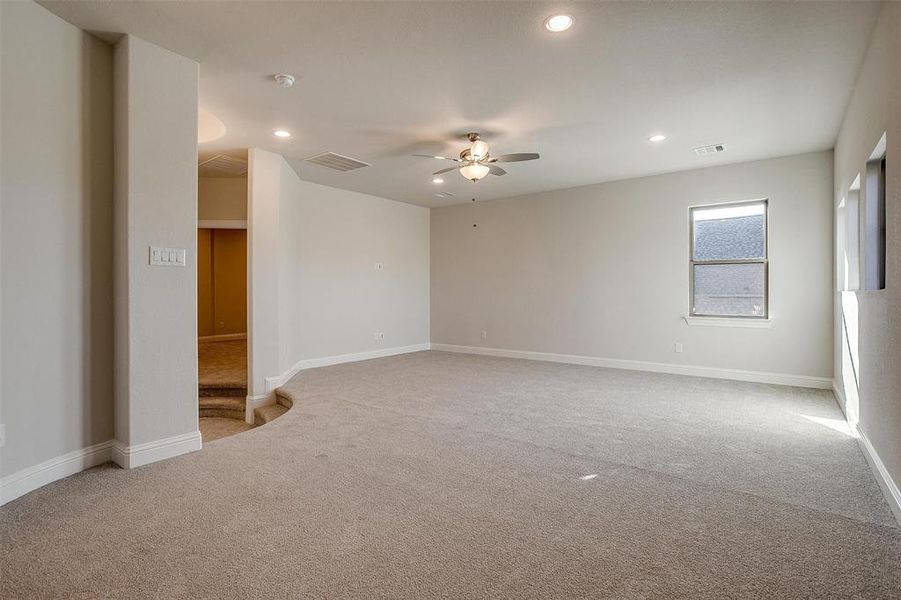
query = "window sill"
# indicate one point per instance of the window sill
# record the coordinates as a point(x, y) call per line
point(748, 322)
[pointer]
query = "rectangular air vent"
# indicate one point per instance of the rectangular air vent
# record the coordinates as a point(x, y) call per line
point(222, 166)
point(337, 162)
point(714, 149)
point(445, 195)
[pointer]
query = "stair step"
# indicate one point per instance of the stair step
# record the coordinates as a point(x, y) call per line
point(268, 413)
point(233, 403)
point(226, 407)
point(222, 391)
point(284, 398)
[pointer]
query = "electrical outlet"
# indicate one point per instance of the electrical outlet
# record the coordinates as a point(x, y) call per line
point(484, 335)
point(678, 348)
point(378, 336)
point(2, 435)
point(379, 266)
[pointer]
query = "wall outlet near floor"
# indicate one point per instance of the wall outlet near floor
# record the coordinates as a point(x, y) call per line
point(378, 336)
point(678, 348)
point(379, 266)
point(2, 435)
point(484, 335)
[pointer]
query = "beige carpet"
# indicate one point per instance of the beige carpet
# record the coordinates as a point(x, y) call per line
point(222, 364)
point(435, 475)
point(214, 428)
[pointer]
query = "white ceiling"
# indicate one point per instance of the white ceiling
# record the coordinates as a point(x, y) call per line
point(379, 81)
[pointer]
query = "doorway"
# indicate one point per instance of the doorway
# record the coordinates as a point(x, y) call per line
point(222, 270)
point(222, 330)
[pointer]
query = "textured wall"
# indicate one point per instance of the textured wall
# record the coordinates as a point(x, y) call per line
point(222, 198)
point(875, 108)
point(602, 270)
point(331, 298)
point(155, 96)
point(56, 237)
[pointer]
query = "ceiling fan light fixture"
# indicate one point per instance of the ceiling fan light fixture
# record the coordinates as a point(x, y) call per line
point(474, 172)
point(479, 150)
point(558, 23)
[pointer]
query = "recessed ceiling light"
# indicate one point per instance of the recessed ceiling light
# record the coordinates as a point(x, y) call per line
point(281, 133)
point(558, 23)
point(659, 137)
point(437, 180)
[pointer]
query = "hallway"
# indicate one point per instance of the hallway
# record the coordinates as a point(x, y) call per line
point(223, 388)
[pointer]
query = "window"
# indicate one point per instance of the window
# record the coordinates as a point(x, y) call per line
point(873, 242)
point(849, 238)
point(728, 263)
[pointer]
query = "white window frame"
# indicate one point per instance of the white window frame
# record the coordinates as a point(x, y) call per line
point(694, 316)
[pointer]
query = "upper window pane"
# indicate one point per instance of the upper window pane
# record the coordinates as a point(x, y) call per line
point(729, 232)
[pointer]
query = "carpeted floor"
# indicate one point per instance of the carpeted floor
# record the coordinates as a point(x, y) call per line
point(222, 364)
point(214, 428)
point(436, 475)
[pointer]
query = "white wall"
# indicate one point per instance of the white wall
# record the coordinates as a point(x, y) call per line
point(602, 270)
point(56, 237)
point(222, 198)
point(155, 96)
point(264, 187)
point(315, 291)
point(874, 109)
point(331, 297)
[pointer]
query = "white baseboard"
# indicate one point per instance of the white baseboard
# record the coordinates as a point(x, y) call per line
point(312, 363)
point(251, 403)
point(808, 381)
point(223, 337)
point(889, 487)
point(31, 478)
point(840, 398)
point(129, 457)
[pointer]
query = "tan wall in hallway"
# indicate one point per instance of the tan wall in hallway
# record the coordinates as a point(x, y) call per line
point(221, 281)
point(222, 198)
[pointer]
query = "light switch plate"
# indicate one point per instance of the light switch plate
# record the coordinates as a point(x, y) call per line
point(167, 257)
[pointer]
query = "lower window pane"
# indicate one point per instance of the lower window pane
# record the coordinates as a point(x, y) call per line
point(730, 290)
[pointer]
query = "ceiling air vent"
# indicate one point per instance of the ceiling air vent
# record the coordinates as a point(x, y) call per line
point(445, 195)
point(705, 150)
point(223, 166)
point(336, 162)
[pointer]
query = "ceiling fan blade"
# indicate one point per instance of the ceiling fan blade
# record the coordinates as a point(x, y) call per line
point(516, 157)
point(438, 157)
point(445, 170)
point(495, 170)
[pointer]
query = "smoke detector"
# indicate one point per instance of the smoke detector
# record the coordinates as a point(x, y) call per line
point(713, 149)
point(284, 80)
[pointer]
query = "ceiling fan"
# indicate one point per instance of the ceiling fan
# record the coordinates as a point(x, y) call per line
point(475, 162)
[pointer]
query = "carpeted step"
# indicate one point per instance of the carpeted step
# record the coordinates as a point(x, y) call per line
point(230, 407)
point(237, 390)
point(284, 398)
point(264, 414)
